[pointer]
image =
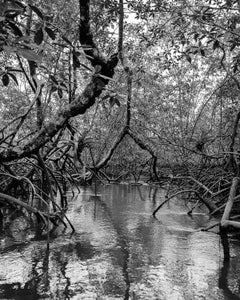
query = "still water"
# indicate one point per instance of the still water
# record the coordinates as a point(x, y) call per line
point(119, 251)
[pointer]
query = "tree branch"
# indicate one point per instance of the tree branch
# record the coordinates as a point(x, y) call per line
point(81, 103)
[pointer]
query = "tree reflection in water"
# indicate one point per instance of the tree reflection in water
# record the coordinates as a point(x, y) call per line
point(122, 260)
point(120, 251)
point(223, 276)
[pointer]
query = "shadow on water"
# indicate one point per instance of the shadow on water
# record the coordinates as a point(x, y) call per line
point(119, 251)
point(30, 289)
point(122, 241)
point(223, 276)
point(38, 287)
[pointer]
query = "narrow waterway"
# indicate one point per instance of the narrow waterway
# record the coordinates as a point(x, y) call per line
point(119, 251)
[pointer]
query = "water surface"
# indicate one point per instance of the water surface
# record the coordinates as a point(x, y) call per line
point(119, 251)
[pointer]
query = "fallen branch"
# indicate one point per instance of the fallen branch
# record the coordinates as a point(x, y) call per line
point(211, 206)
point(18, 202)
point(44, 216)
point(210, 226)
point(196, 181)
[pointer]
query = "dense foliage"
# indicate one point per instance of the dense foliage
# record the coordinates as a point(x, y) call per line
point(116, 90)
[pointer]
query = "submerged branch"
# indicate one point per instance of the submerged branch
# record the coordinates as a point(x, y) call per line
point(211, 206)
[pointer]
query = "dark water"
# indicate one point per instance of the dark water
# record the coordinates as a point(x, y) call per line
point(119, 251)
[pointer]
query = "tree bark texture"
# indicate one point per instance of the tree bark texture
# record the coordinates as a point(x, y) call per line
point(80, 103)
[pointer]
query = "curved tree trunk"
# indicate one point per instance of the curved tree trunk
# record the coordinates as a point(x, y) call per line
point(145, 146)
point(79, 105)
point(232, 164)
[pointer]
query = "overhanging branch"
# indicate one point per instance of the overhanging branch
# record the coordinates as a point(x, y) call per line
point(81, 103)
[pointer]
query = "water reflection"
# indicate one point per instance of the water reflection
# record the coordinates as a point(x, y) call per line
point(119, 251)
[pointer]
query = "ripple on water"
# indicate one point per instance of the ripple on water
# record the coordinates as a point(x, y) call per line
point(119, 245)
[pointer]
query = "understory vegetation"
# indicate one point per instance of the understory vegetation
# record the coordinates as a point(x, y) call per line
point(112, 91)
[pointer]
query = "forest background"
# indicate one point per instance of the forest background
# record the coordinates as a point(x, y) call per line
point(118, 90)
